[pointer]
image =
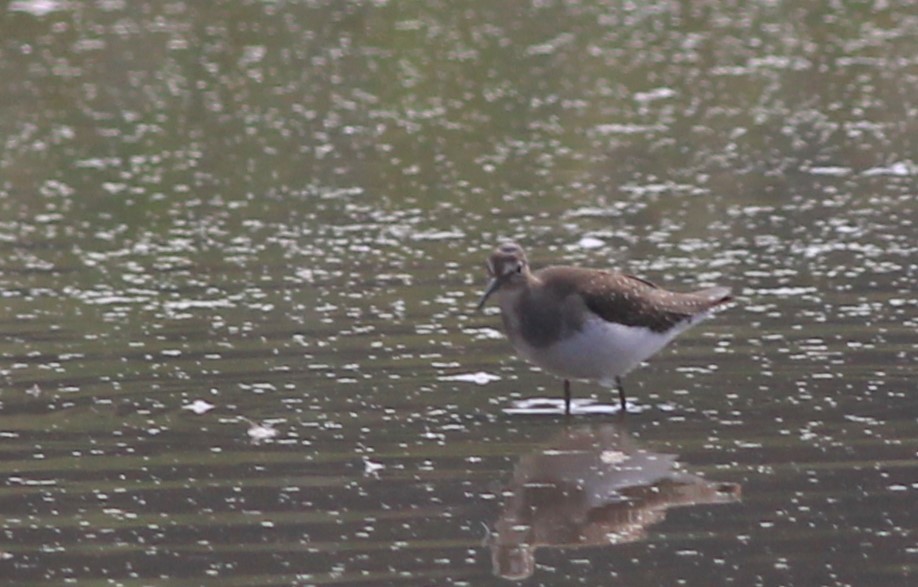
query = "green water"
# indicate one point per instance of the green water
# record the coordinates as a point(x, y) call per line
point(283, 209)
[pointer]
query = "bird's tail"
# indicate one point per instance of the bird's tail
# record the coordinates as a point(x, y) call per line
point(716, 296)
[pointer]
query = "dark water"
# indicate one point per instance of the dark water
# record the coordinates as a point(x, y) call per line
point(241, 243)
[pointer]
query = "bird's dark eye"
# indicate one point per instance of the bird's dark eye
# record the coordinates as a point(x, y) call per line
point(519, 268)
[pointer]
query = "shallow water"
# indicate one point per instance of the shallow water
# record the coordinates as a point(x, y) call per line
point(242, 244)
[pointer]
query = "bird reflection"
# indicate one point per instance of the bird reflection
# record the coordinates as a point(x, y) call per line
point(591, 486)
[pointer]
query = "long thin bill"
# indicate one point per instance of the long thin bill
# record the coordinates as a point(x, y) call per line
point(492, 287)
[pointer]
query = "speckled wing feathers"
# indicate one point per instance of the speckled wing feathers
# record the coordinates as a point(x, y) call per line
point(628, 300)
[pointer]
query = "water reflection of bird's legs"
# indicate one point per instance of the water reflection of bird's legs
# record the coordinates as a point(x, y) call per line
point(567, 397)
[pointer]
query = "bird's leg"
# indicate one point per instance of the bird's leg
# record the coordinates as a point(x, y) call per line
point(567, 397)
point(621, 394)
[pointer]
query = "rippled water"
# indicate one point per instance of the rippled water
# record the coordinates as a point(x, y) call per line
point(242, 243)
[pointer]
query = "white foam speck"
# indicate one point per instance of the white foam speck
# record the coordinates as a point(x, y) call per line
point(438, 235)
point(786, 291)
point(589, 242)
point(199, 406)
point(371, 467)
point(36, 7)
point(484, 333)
point(259, 432)
point(627, 129)
point(900, 169)
point(654, 94)
point(829, 170)
point(481, 378)
point(193, 304)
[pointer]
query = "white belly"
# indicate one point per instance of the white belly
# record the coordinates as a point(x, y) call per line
point(600, 350)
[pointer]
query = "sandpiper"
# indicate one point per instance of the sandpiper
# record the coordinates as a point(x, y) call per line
point(586, 323)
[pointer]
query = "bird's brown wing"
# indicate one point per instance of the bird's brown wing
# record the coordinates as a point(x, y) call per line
point(621, 298)
point(632, 301)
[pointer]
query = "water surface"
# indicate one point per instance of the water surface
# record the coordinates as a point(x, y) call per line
point(242, 243)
